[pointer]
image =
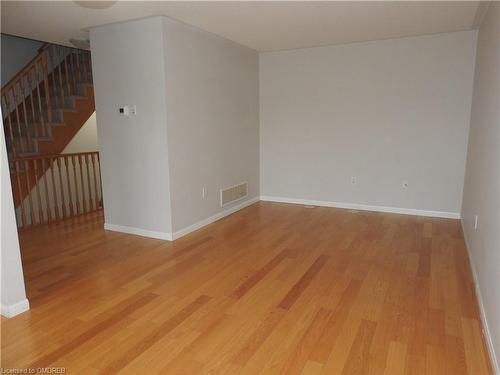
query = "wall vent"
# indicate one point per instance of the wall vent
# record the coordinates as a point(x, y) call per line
point(233, 193)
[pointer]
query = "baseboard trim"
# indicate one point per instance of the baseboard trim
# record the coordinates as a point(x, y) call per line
point(484, 320)
point(138, 231)
point(200, 224)
point(363, 207)
point(181, 232)
point(9, 311)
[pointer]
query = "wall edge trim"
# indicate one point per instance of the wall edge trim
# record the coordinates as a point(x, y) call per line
point(138, 231)
point(362, 207)
point(209, 220)
point(486, 330)
point(9, 311)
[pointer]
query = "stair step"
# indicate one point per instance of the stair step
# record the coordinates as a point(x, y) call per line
point(57, 92)
point(27, 154)
point(41, 134)
point(45, 138)
point(57, 124)
point(31, 125)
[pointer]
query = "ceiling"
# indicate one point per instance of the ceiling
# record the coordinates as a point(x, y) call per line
point(261, 25)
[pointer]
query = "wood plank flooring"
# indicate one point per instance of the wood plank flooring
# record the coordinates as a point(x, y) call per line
point(271, 289)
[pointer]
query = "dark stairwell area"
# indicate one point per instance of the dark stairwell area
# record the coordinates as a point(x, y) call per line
point(47, 97)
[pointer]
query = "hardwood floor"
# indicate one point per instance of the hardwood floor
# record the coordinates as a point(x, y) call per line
point(272, 289)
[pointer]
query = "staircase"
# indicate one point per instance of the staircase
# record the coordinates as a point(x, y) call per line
point(43, 107)
point(48, 101)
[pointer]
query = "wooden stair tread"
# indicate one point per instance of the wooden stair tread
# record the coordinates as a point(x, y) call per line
point(43, 112)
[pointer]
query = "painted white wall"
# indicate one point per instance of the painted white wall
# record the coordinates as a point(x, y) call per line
point(129, 69)
point(197, 123)
point(16, 53)
point(85, 140)
point(482, 179)
point(13, 297)
point(212, 120)
point(383, 112)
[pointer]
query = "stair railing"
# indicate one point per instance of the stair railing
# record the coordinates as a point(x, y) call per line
point(28, 100)
point(54, 187)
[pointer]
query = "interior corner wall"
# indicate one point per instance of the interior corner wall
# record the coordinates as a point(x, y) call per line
point(212, 119)
point(482, 179)
point(381, 112)
point(128, 69)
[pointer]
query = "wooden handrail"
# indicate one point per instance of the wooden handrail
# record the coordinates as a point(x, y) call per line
point(47, 187)
point(41, 87)
point(54, 187)
point(29, 65)
point(39, 157)
point(21, 73)
point(43, 47)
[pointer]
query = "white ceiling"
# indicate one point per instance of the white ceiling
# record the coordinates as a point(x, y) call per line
point(261, 25)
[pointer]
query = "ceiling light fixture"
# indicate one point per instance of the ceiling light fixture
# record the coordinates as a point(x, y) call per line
point(80, 43)
point(95, 4)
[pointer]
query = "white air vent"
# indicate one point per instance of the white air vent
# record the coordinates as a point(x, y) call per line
point(233, 193)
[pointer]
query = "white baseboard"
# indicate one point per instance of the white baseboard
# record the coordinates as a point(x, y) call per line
point(213, 218)
point(10, 311)
point(486, 329)
point(138, 231)
point(363, 207)
point(181, 232)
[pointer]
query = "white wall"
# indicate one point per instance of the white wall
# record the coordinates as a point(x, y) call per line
point(482, 179)
point(16, 53)
point(13, 297)
point(197, 124)
point(384, 112)
point(128, 68)
point(212, 119)
point(85, 140)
